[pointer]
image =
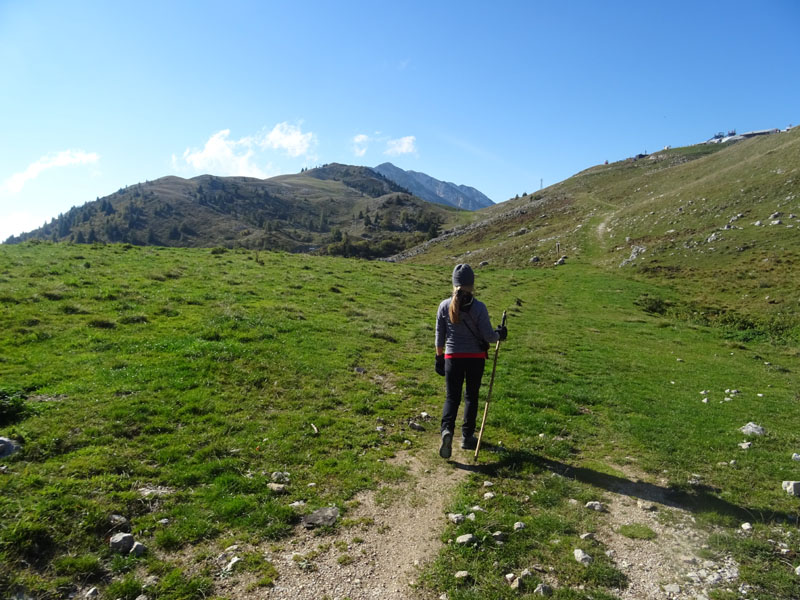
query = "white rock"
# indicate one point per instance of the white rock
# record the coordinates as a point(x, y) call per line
point(797, 571)
point(587, 536)
point(278, 488)
point(672, 588)
point(519, 525)
point(488, 495)
point(471, 516)
point(487, 484)
point(499, 536)
point(232, 564)
point(795, 456)
point(456, 518)
point(280, 477)
point(543, 590)
point(582, 557)
point(595, 505)
point(121, 542)
point(745, 445)
point(477, 508)
point(510, 577)
point(467, 538)
point(297, 504)
point(746, 527)
point(92, 593)
point(792, 487)
point(462, 575)
point(752, 429)
point(138, 549)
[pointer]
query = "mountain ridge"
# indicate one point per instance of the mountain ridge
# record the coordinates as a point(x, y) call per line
point(335, 208)
point(434, 190)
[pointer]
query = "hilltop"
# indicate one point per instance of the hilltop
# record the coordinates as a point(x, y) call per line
point(337, 209)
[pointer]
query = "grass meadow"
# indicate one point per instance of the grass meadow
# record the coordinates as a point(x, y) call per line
point(166, 385)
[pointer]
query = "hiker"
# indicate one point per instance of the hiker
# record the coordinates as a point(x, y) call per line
point(463, 335)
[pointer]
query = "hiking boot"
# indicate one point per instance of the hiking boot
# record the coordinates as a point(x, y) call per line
point(469, 443)
point(447, 441)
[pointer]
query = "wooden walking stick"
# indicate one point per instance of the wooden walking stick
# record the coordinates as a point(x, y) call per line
point(489, 395)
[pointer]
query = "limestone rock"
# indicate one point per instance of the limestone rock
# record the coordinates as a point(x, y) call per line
point(462, 575)
point(119, 523)
point(510, 577)
point(582, 557)
point(792, 487)
point(519, 525)
point(278, 488)
point(467, 538)
point(232, 564)
point(752, 429)
point(456, 518)
point(543, 590)
point(323, 516)
point(745, 445)
point(121, 542)
point(92, 593)
point(746, 527)
point(672, 588)
point(280, 477)
point(499, 536)
point(488, 495)
point(595, 505)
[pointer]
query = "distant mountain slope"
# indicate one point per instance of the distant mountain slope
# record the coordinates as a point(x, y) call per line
point(336, 208)
point(721, 217)
point(431, 189)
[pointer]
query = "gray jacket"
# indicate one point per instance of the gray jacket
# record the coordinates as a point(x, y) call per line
point(457, 338)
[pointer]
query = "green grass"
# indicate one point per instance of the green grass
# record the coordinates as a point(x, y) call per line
point(212, 376)
point(637, 531)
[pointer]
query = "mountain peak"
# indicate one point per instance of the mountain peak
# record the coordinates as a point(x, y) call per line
point(433, 190)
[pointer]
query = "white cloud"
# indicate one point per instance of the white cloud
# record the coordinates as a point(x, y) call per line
point(223, 156)
point(65, 158)
point(404, 145)
point(360, 144)
point(290, 138)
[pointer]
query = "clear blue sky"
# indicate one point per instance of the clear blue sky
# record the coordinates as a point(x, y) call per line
point(497, 95)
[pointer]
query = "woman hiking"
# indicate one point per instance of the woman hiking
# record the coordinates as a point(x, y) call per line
point(463, 336)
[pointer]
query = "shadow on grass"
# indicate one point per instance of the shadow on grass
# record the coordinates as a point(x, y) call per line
point(700, 499)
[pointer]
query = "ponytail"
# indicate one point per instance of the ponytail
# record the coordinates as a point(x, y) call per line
point(459, 292)
point(455, 306)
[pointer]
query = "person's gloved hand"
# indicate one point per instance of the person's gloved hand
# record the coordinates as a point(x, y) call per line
point(440, 364)
point(502, 331)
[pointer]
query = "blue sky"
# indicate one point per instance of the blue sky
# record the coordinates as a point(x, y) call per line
point(497, 95)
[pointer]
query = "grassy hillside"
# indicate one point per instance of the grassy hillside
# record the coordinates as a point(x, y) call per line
point(687, 215)
point(306, 212)
point(165, 385)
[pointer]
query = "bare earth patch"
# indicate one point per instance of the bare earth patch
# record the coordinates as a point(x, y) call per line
point(669, 565)
point(377, 551)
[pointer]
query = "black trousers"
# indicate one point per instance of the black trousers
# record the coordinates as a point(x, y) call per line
point(456, 371)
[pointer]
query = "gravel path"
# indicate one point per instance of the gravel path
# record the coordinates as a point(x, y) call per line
point(378, 558)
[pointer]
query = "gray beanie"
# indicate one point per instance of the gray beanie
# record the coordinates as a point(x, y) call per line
point(463, 275)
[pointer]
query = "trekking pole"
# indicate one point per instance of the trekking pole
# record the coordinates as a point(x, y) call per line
point(489, 395)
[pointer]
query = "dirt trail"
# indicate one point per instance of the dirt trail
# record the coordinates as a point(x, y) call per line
point(377, 559)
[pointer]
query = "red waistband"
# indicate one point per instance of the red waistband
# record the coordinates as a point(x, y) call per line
point(468, 355)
